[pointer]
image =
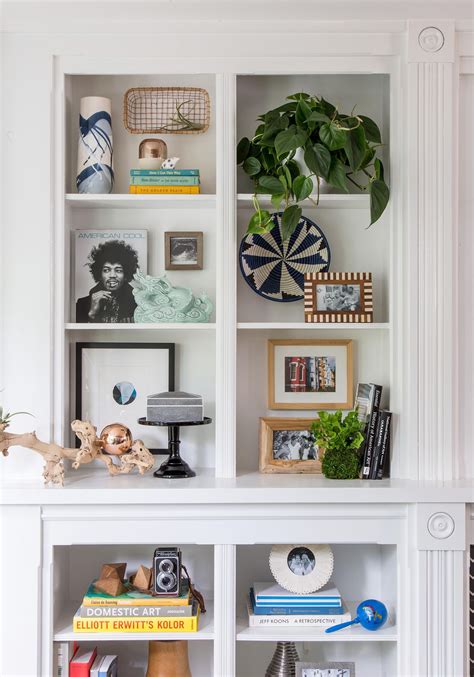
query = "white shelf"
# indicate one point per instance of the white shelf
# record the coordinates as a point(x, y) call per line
point(355, 633)
point(314, 325)
point(64, 632)
point(139, 326)
point(129, 201)
point(326, 201)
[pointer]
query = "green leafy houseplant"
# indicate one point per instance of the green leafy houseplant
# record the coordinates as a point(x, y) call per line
point(341, 440)
point(338, 148)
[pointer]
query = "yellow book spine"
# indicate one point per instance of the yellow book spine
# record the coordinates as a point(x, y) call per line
point(164, 190)
point(96, 625)
point(153, 601)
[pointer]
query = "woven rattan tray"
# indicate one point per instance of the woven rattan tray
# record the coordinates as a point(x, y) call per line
point(166, 110)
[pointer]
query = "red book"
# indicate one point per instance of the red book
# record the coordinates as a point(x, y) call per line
point(81, 662)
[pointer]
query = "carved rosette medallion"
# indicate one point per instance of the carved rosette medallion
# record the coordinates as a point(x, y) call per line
point(441, 525)
point(431, 39)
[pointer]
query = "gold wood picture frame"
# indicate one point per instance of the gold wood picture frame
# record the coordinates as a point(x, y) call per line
point(310, 374)
point(338, 297)
point(183, 250)
point(287, 446)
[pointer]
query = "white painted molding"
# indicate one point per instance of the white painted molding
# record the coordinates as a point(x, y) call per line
point(432, 171)
point(226, 291)
point(224, 610)
point(431, 41)
point(440, 526)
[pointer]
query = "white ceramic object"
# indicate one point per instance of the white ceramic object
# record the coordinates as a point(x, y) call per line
point(95, 172)
point(301, 569)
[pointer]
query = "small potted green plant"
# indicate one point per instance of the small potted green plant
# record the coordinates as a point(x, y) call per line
point(340, 439)
point(337, 148)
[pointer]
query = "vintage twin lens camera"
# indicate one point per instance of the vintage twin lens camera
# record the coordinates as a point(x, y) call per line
point(167, 571)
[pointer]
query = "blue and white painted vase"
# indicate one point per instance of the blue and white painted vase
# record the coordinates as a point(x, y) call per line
point(95, 172)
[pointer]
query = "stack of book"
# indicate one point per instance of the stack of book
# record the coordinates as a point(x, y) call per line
point(135, 611)
point(378, 422)
point(271, 605)
point(88, 663)
point(164, 181)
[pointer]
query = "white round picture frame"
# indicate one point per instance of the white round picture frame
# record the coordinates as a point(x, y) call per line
point(302, 569)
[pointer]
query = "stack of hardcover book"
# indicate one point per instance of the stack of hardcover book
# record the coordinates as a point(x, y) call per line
point(164, 181)
point(135, 611)
point(271, 605)
point(378, 422)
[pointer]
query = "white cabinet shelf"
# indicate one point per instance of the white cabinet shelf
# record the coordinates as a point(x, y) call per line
point(314, 326)
point(326, 201)
point(64, 630)
point(173, 326)
point(355, 633)
point(128, 201)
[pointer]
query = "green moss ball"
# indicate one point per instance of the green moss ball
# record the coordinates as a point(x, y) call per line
point(341, 464)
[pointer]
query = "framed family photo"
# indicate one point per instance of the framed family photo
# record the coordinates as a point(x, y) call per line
point(105, 263)
point(310, 374)
point(325, 669)
point(113, 381)
point(287, 445)
point(183, 250)
point(338, 297)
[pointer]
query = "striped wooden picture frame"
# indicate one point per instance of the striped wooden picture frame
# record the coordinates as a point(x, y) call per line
point(338, 297)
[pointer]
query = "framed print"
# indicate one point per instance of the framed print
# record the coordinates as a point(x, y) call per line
point(113, 381)
point(325, 669)
point(310, 374)
point(338, 297)
point(287, 445)
point(183, 251)
point(105, 263)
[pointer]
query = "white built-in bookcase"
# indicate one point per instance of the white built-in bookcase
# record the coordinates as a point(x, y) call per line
point(401, 540)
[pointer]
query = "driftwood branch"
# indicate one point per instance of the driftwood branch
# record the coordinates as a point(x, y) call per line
point(90, 449)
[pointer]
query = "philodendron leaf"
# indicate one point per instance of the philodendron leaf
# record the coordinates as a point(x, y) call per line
point(332, 136)
point(355, 147)
point(289, 220)
point(276, 200)
point(337, 175)
point(379, 196)
point(378, 166)
point(318, 159)
point(252, 166)
point(289, 139)
point(318, 117)
point(260, 222)
point(303, 112)
point(242, 150)
point(302, 187)
point(271, 184)
point(372, 132)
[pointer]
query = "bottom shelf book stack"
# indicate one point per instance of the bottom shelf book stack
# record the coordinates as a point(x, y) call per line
point(270, 605)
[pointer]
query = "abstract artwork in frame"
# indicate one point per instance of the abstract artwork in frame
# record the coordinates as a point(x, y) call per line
point(325, 669)
point(338, 297)
point(113, 381)
point(310, 374)
point(287, 445)
point(183, 250)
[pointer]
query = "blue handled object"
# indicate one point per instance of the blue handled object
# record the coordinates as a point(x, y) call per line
point(371, 614)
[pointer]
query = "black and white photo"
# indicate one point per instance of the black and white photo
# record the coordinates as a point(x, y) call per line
point(301, 561)
point(105, 263)
point(294, 445)
point(338, 297)
point(183, 250)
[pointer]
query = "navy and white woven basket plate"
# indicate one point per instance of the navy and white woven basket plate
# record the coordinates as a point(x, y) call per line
point(274, 268)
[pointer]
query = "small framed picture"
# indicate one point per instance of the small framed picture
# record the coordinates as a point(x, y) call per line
point(113, 381)
point(325, 669)
point(338, 297)
point(310, 374)
point(287, 446)
point(183, 251)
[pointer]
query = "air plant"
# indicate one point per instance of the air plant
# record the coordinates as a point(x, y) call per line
point(185, 122)
point(6, 417)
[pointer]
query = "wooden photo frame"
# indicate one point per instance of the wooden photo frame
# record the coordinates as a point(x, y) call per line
point(280, 453)
point(338, 297)
point(326, 669)
point(310, 374)
point(183, 250)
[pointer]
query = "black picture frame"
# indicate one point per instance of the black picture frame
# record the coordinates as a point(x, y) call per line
point(80, 346)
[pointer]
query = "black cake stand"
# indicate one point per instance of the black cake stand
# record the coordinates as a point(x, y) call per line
point(174, 467)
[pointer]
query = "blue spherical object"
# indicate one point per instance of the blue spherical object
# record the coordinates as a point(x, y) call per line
point(372, 614)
